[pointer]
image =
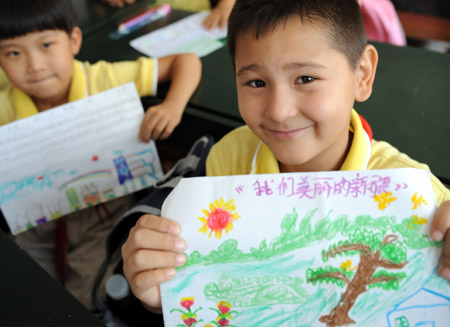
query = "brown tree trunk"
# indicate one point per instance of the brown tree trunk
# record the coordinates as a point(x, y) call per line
point(358, 285)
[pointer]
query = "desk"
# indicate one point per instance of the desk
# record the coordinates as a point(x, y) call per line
point(94, 14)
point(29, 296)
point(410, 105)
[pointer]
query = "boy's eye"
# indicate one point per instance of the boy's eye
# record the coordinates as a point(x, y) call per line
point(12, 53)
point(46, 44)
point(257, 83)
point(304, 79)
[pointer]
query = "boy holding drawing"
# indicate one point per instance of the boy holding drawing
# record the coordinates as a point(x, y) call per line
point(38, 42)
point(300, 65)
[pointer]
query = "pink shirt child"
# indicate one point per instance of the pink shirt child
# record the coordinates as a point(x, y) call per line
point(381, 22)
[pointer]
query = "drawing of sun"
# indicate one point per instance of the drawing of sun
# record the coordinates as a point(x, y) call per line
point(220, 217)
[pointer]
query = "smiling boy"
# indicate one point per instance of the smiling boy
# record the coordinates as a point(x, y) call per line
point(38, 43)
point(300, 65)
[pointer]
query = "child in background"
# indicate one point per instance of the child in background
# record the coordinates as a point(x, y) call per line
point(300, 65)
point(220, 9)
point(381, 22)
point(38, 42)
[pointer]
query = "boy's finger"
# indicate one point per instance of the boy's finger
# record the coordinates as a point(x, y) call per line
point(144, 238)
point(142, 260)
point(159, 128)
point(444, 265)
point(223, 23)
point(160, 224)
point(142, 282)
point(441, 222)
point(147, 127)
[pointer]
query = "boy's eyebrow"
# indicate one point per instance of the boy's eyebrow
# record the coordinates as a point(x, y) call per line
point(297, 65)
point(11, 43)
point(5, 44)
point(248, 68)
point(289, 66)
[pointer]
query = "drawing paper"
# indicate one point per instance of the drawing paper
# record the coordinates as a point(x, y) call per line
point(343, 248)
point(73, 157)
point(185, 35)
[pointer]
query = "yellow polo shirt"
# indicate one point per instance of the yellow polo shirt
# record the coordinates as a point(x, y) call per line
point(242, 152)
point(87, 79)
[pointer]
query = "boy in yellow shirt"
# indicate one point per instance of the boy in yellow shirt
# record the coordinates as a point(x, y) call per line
point(38, 42)
point(300, 65)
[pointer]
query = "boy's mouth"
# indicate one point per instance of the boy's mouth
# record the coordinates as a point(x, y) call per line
point(38, 80)
point(287, 134)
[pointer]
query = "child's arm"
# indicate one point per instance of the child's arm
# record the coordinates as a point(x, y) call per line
point(184, 73)
point(118, 3)
point(150, 255)
point(219, 15)
point(439, 231)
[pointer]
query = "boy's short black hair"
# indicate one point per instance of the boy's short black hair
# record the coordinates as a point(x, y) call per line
point(341, 18)
point(20, 17)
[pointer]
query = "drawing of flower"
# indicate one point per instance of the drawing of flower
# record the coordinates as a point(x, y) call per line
point(223, 314)
point(418, 201)
point(187, 302)
point(189, 317)
point(189, 321)
point(224, 307)
point(219, 218)
point(384, 199)
point(416, 221)
point(347, 266)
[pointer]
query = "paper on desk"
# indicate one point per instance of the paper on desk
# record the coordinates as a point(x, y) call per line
point(73, 157)
point(185, 35)
point(307, 249)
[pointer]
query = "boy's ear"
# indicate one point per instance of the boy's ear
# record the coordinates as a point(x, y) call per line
point(76, 37)
point(366, 73)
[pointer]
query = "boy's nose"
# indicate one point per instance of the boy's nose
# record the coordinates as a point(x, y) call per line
point(35, 63)
point(281, 105)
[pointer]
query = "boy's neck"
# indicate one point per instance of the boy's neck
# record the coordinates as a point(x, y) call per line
point(323, 164)
point(51, 103)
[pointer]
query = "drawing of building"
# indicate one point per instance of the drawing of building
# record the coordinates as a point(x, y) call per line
point(123, 171)
point(74, 200)
point(91, 197)
point(424, 308)
point(109, 194)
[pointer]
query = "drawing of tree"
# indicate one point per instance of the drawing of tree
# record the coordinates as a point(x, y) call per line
point(376, 251)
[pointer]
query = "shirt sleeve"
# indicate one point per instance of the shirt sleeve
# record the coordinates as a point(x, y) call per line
point(7, 113)
point(143, 72)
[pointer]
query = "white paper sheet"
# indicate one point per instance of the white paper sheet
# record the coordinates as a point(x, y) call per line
point(185, 35)
point(73, 157)
point(307, 249)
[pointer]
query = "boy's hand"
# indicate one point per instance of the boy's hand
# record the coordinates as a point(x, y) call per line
point(440, 230)
point(150, 255)
point(219, 15)
point(160, 121)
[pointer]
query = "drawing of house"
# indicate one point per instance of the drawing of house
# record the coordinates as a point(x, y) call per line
point(41, 220)
point(123, 171)
point(424, 308)
point(91, 197)
point(109, 194)
point(74, 200)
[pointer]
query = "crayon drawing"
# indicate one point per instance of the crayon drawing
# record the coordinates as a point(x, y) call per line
point(74, 157)
point(219, 218)
point(307, 249)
